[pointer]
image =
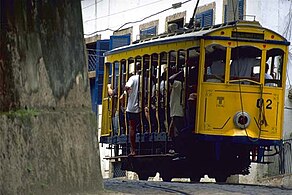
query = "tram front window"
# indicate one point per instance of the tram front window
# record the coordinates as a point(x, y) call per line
point(245, 64)
point(215, 60)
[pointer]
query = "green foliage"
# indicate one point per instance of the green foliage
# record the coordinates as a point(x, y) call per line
point(21, 113)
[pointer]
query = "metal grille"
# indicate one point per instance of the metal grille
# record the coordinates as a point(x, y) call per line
point(117, 172)
point(92, 59)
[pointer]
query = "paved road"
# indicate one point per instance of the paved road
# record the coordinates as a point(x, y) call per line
point(125, 186)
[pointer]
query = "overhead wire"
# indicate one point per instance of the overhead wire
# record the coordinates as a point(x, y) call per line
point(133, 22)
point(134, 8)
point(95, 3)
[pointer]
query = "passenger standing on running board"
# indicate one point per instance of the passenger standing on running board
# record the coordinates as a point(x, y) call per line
point(176, 109)
point(133, 110)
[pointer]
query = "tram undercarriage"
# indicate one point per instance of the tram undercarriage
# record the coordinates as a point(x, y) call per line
point(218, 160)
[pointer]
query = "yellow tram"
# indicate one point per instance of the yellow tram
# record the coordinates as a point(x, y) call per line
point(233, 84)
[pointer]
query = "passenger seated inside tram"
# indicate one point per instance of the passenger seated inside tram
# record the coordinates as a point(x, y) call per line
point(268, 78)
point(217, 70)
point(215, 65)
point(242, 68)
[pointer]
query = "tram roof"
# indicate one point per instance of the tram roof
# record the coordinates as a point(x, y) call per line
point(189, 35)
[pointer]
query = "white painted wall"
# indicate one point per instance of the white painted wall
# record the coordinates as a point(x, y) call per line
point(111, 14)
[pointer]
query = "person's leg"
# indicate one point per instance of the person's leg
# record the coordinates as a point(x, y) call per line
point(132, 130)
point(122, 122)
point(134, 121)
point(116, 124)
point(162, 119)
point(179, 124)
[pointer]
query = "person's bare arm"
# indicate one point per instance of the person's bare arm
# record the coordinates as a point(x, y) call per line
point(110, 91)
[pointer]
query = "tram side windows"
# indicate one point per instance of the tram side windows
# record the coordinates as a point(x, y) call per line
point(245, 65)
point(122, 105)
point(192, 63)
point(273, 76)
point(172, 62)
point(153, 87)
point(146, 90)
point(181, 60)
point(115, 98)
point(215, 60)
point(162, 99)
point(171, 70)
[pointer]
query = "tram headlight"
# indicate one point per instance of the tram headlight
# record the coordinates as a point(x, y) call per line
point(241, 120)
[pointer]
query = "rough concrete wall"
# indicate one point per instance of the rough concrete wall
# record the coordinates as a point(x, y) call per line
point(42, 52)
point(47, 131)
point(48, 153)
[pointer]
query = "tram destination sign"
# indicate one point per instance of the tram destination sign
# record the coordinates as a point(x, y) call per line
point(246, 35)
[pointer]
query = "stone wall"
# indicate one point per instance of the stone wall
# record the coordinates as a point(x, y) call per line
point(47, 130)
point(48, 152)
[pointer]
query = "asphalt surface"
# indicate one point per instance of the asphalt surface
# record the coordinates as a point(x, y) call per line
point(126, 186)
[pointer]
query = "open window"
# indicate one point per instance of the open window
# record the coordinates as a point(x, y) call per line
point(245, 65)
point(215, 60)
point(274, 68)
point(191, 83)
point(114, 96)
point(162, 90)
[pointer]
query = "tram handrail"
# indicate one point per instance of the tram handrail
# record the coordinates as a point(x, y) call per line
point(245, 80)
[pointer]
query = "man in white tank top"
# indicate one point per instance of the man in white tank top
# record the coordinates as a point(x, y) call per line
point(133, 110)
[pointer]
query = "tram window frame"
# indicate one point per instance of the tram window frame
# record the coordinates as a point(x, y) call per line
point(153, 96)
point(275, 62)
point(215, 56)
point(145, 79)
point(163, 88)
point(116, 77)
point(110, 73)
point(242, 55)
point(193, 62)
point(172, 61)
